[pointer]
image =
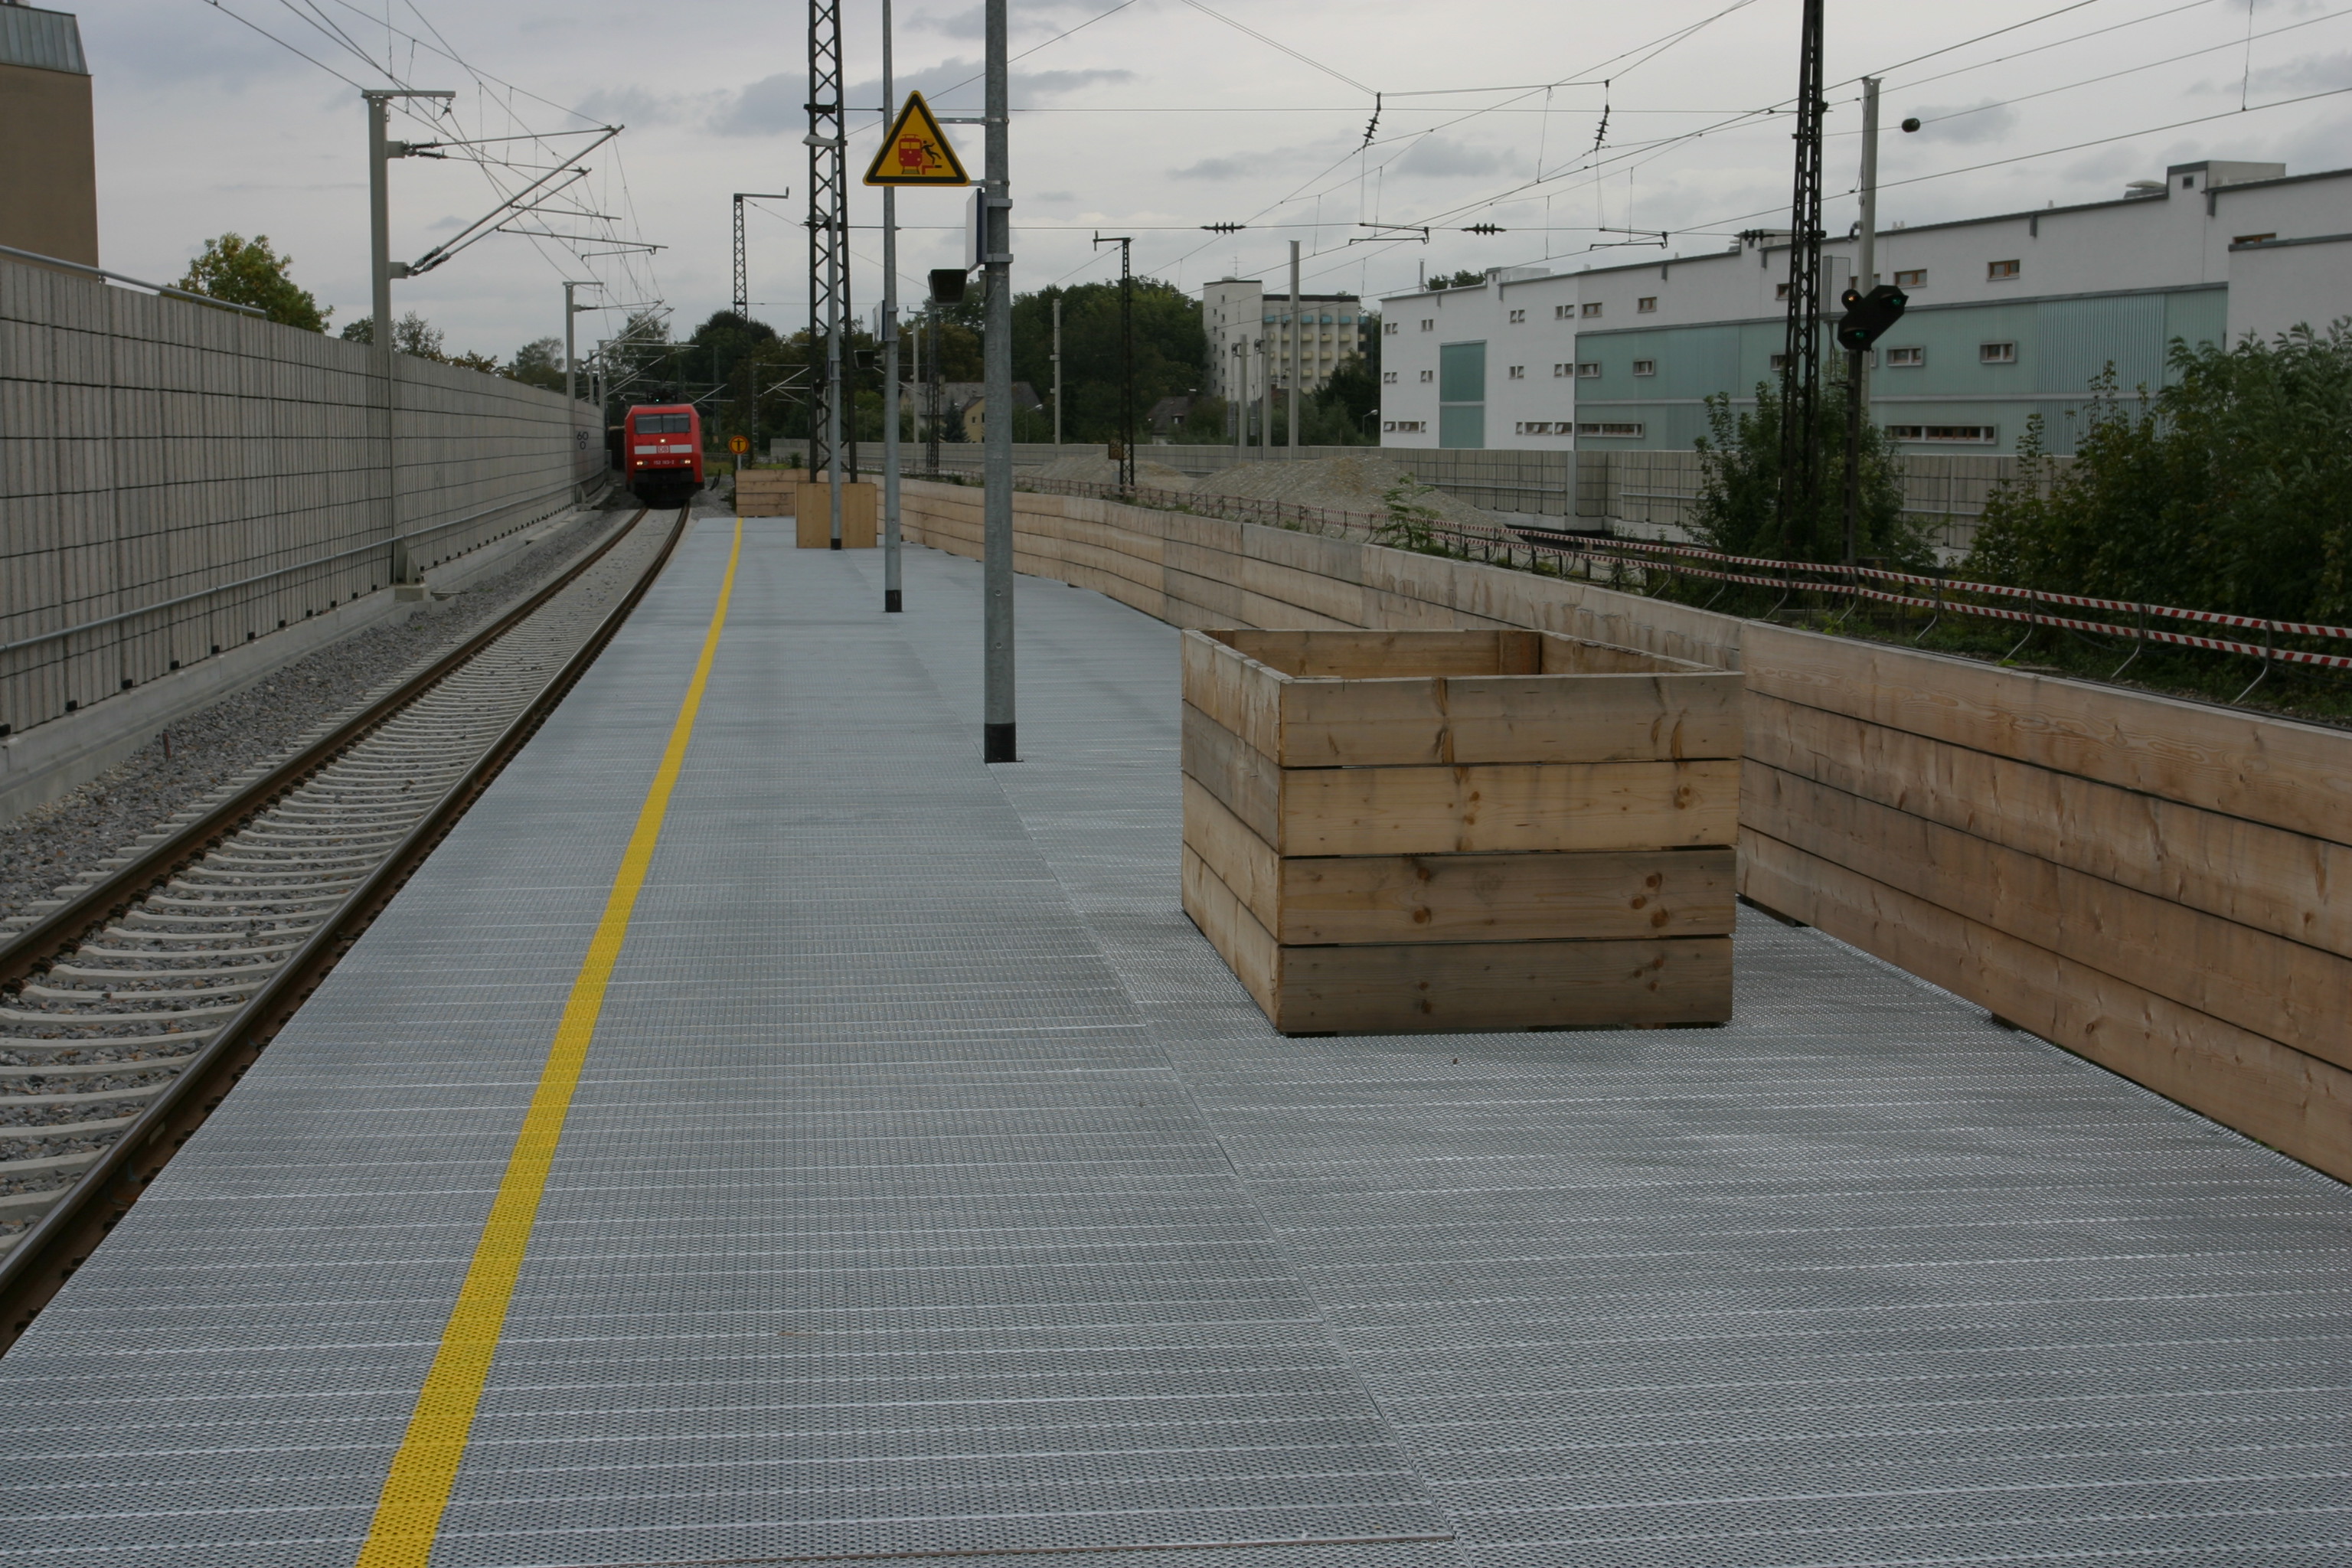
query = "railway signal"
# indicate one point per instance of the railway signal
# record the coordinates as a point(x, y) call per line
point(1867, 315)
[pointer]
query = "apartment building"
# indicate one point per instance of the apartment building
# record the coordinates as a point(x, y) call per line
point(1240, 312)
point(49, 165)
point(2010, 316)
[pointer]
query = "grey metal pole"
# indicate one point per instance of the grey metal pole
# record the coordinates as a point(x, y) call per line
point(1240, 399)
point(1296, 332)
point(1057, 369)
point(380, 325)
point(893, 595)
point(998, 744)
point(1264, 400)
point(1866, 253)
point(833, 377)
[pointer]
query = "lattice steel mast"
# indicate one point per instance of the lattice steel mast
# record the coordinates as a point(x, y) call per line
point(829, 226)
point(1801, 360)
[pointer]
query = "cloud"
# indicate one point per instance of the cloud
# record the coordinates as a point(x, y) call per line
point(1034, 17)
point(1221, 168)
point(1434, 158)
point(2313, 73)
point(1965, 125)
point(635, 106)
point(775, 106)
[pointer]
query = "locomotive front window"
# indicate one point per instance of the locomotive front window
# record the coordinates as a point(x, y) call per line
point(662, 424)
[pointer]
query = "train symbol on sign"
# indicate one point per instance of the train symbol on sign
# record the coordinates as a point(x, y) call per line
point(917, 151)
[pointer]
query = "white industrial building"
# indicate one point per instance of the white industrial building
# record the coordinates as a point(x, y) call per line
point(2009, 316)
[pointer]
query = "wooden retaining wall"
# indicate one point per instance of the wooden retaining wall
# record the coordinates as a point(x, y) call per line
point(2162, 887)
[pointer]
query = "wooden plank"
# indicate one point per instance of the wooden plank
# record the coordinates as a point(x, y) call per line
point(1498, 807)
point(1234, 690)
point(1235, 772)
point(2288, 884)
point(1328, 597)
point(2296, 1103)
point(1593, 717)
point(1243, 862)
point(1239, 940)
point(2290, 993)
point(2272, 771)
point(1369, 655)
point(1458, 986)
point(1359, 723)
point(1603, 895)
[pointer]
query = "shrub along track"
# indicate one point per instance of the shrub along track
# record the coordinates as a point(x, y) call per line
point(129, 1010)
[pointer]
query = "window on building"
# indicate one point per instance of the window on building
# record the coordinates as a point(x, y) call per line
point(1405, 426)
point(1429, 375)
point(1389, 329)
point(1779, 291)
point(1429, 323)
point(1645, 367)
point(1546, 428)
point(1388, 378)
point(1780, 362)
point(1647, 305)
point(1609, 429)
point(1995, 272)
point(2255, 238)
point(1561, 369)
point(1519, 372)
point(1562, 312)
point(1591, 308)
point(1997, 353)
point(1917, 278)
point(1899, 357)
point(1968, 435)
point(1587, 370)
point(1518, 315)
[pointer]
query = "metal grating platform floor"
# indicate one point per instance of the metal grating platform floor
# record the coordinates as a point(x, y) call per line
point(932, 1190)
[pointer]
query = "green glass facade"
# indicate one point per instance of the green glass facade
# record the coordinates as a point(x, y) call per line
point(1461, 394)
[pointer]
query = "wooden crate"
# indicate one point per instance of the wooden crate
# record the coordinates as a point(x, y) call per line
point(813, 512)
point(767, 492)
point(1396, 831)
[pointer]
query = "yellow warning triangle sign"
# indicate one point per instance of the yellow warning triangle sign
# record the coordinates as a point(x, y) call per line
point(916, 153)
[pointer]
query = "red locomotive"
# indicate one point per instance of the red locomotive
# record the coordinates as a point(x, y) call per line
point(661, 451)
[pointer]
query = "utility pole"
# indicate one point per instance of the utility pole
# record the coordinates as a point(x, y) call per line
point(1240, 399)
point(1857, 364)
point(571, 373)
point(1801, 369)
point(1126, 361)
point(381, 271)
point(1057, 369)
point(1296, 354)
point(1264, 400)
point(937, 391)
point(743, 259)
point(828, 218)
point(893, 590)
point(998, 744)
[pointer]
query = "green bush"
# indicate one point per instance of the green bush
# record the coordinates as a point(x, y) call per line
point(2228, 489)
point(1739, 485)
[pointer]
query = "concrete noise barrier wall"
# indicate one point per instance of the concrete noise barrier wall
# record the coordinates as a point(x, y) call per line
point(2162, 887)
point(176, 479)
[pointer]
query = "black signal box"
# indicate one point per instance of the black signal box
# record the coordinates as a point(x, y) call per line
point(1869, 315)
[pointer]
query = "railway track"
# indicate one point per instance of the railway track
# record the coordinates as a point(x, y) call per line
point(130, 1009)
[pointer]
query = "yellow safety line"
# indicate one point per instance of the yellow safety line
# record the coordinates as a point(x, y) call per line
point(408, 1513)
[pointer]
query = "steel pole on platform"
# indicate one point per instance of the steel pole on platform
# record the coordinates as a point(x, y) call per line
point(381, 272)
point(997, 737)
point(893, 594)
point(1866, 277)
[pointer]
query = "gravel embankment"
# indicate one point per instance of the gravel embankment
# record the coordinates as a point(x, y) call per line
point(57, 842)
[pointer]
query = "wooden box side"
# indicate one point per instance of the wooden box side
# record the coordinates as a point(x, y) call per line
point(1587, 717)
point(1601, 896)
point(1456, 987)
point(1237, 774)
point(1492, 808)
point(1244, 945)
point(1236, 690)
point(813, 515)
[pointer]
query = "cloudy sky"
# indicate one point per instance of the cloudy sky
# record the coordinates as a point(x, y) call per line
point(1561, 124)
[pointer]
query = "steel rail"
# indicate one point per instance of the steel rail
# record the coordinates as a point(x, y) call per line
point(62, 1240)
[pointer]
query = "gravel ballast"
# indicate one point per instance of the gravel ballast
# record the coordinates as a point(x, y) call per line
point(204, 753)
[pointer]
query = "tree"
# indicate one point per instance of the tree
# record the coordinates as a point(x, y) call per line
point(2228, 489)
point(248, 272)
point(1465, 278)
point(1738, 502)
point(411, 334)
point(538, 362)
point(1169, 348)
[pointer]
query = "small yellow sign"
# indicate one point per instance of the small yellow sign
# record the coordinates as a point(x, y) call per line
point(738, 445)
point(917, 151)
